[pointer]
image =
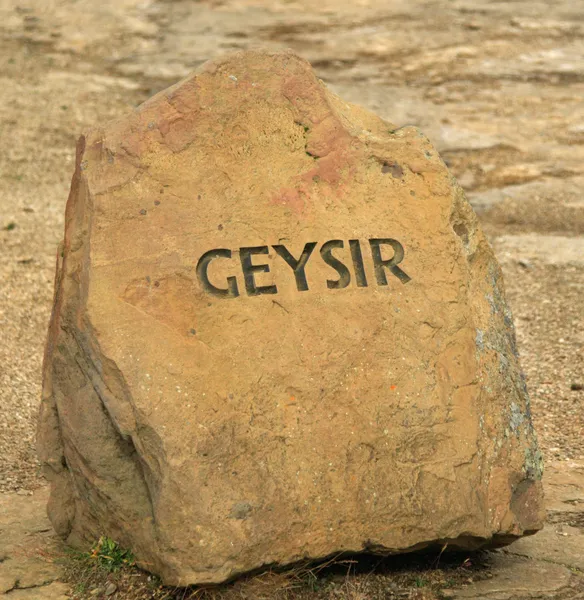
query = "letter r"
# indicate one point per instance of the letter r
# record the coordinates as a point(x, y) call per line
point(380, 265)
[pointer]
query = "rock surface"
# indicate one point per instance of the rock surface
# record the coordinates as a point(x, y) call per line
point(516, 577)
point(28, 549)
point(216, 403)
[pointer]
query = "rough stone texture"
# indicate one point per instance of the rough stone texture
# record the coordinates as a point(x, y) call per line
point(215, 435)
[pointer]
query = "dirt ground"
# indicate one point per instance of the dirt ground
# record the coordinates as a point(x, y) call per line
point(498, 86)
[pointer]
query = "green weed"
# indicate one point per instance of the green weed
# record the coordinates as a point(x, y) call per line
point(108, 555)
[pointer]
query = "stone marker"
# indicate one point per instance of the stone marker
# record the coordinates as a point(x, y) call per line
point(278, 334)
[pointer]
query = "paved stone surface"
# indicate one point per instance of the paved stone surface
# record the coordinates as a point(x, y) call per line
point(557, 543)
point(551, 191)
point(543, 249)
point(517, 577)
point(28, 549)
point(51, 591)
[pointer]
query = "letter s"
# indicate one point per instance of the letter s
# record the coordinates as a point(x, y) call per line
point(336, 264)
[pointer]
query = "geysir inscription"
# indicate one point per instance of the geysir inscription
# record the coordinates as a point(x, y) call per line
point(381, 266)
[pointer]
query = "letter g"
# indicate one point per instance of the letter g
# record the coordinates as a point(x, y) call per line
point(232, 290)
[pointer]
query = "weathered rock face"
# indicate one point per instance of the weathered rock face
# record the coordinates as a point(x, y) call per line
point(278, 333)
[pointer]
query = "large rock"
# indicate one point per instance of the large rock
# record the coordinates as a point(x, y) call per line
point(278, 333)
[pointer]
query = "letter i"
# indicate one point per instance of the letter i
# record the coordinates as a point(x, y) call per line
point(358, 263)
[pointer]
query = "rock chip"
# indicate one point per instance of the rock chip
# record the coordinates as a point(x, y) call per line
point(278, 333)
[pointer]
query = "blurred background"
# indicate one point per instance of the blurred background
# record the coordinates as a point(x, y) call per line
point(498, 86)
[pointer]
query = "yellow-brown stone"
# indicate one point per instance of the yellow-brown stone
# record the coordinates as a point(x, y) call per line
point(278, 333)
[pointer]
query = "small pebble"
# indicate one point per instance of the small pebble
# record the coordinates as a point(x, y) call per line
point(110, 588)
